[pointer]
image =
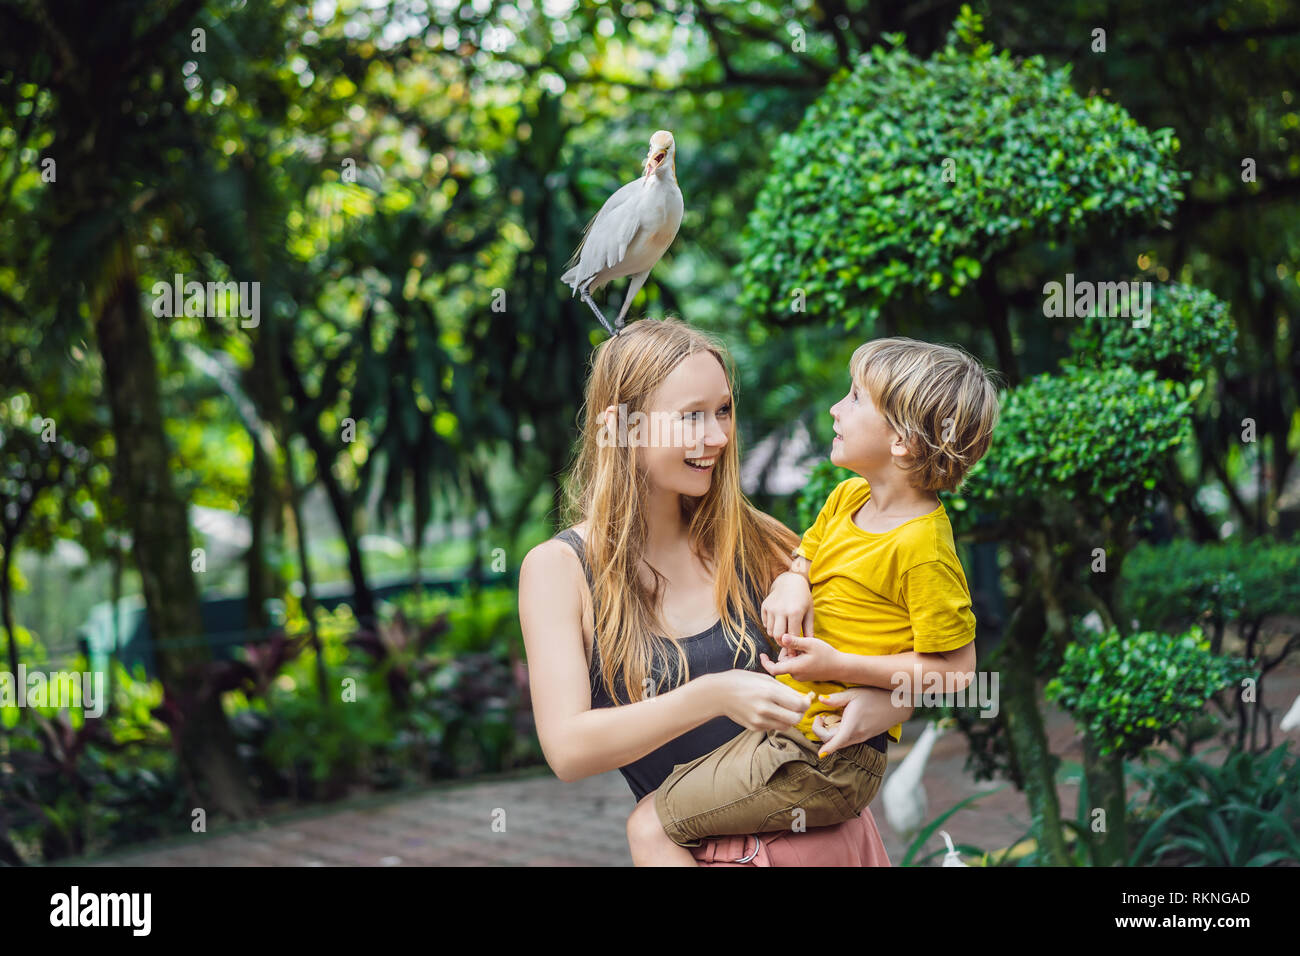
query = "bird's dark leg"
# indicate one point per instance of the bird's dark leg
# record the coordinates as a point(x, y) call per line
point(586, 297)
point(633, 287)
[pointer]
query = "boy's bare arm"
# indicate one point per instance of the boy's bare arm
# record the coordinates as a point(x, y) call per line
point(956, 668)
point(788, 606)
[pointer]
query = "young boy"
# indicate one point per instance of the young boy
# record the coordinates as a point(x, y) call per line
point(878, 591)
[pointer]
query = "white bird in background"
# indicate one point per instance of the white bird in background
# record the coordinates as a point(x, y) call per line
point(952, 857)
point(903, 793)
point(1292, 719)
point(632, 231)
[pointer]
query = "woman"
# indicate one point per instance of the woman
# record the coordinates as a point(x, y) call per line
point(640, 620)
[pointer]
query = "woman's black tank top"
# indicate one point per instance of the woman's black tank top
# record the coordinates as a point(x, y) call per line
point(706, 653)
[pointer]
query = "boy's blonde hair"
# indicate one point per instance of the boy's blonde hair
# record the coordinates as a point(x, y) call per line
point(940, 398)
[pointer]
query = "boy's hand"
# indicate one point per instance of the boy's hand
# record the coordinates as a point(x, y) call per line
point(788, 608)
point(804, 658)
point(867, 711)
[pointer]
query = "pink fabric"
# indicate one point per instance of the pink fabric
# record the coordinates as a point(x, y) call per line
point(855, 842)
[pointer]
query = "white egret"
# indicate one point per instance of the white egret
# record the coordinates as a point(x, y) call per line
point(1292, 719)
point(952, 857)
point(632, 231)
point(903, 793)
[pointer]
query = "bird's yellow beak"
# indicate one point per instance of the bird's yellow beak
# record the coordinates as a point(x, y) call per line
point(653, 159)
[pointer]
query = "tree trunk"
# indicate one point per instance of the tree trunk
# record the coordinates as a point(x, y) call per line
point(997, 311)
point(308, 597)
point(420, 513)
point(159, 525)
point(260, 500)
point(6, 608)
point(344, 514)
point(1105, 775)
point(340, 501)
point(1027, 736)
point(118, 561)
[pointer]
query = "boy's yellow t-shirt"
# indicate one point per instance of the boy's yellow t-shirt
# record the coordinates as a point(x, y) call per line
point(881, 593)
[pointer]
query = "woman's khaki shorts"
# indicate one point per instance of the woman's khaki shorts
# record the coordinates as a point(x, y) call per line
point(756, 782)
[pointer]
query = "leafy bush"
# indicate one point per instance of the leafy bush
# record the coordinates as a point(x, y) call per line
point(481, 619)
point(1245, 812)
point(322, 748)
point(468, 718)
point(1189, 333)
point(1129, 692)
point(476, 715)
point(1091, 441)
point(1242, 585)
point(299, 746)
point(71, 785)
point(439, 692)
point(1182, 582)
point(857, 207)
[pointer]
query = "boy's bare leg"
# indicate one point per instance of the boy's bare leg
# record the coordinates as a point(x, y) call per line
point(649, 844)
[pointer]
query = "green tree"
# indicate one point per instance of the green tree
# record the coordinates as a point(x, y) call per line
point(90, 214)
point(1223, 75)
point(880, 200)
point(909, 177)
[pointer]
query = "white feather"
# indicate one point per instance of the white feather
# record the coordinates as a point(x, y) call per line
point(903, 794)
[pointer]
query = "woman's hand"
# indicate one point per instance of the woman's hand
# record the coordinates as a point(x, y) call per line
point(805, 659)
point(757, 702)
point(867, 711)
point(788, 608)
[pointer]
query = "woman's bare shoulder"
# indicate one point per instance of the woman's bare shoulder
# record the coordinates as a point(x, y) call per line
point(553, 595)
point(553, 559)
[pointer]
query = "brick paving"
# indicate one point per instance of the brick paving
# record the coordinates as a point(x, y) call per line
point(538, 819)
point(551, 823)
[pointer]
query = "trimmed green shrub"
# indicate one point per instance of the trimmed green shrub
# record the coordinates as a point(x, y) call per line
point(909, 174)
point(1190, 331)
point(1083, 442)
point(1181, 583)
point(1130, 692)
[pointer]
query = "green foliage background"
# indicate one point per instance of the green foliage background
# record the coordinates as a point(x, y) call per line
point(405, 182)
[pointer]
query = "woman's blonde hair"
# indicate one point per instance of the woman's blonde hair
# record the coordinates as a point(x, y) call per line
point(939, 398)
point(745, 548)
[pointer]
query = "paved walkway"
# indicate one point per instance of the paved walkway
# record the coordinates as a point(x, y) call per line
point(541, 821)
